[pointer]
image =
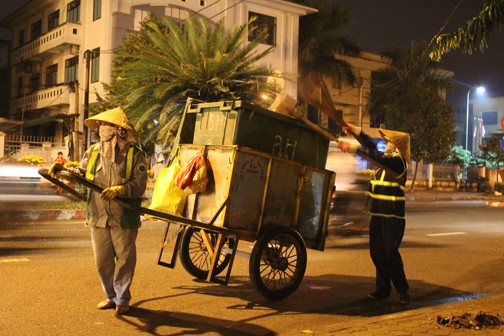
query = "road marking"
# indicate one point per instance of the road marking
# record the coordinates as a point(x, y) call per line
point(446, 234)
point(13, 260)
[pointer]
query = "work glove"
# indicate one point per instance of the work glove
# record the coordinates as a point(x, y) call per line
point(54, 169)
point(110, 193)
point(347, 147)
point(343, 145)
point(349, 128)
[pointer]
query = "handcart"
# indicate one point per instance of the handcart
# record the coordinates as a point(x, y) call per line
point(279, 203)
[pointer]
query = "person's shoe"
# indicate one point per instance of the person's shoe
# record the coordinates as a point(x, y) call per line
point(121, 309)
point(106, 304)
point(379, 295)
point(404, 298)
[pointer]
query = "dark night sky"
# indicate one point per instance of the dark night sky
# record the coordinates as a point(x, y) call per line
point(378, 23)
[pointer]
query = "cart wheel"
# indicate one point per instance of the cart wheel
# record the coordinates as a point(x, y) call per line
point(278, 263)
point(194, 255)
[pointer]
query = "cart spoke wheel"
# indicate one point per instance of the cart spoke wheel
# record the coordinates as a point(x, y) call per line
point(195, 257)
point(278, 263)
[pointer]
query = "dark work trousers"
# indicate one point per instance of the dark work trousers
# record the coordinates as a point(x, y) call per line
point(385, 236)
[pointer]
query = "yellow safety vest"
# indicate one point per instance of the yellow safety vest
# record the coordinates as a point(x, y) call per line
point(128, 167)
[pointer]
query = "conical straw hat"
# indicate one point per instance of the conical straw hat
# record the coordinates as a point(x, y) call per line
point(400, 139)
point(114, 116)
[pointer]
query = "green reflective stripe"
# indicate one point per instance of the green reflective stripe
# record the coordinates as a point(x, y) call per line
point(387, 184)
point(90, 171)
point(387, 198)
point(129, 165)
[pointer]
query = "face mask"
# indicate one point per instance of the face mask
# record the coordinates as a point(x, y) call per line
point(107, 132)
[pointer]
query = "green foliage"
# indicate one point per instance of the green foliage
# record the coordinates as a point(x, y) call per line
point(320, 41)
point(474, 34)
point(493, 154)
point(460, 156)
point(163, 64)
point(406, 97)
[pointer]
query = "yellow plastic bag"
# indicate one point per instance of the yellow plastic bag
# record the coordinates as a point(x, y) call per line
point(167, 197)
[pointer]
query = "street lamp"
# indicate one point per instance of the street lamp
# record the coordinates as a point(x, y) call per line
point(479, 89)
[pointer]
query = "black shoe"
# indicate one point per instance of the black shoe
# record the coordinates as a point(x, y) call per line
point(404, 298)
point(379, 295)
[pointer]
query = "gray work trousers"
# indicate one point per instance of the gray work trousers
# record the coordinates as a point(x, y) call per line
point(115, 258)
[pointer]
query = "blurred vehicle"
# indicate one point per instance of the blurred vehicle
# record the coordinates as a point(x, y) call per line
point(349, 197)
point(23, 179)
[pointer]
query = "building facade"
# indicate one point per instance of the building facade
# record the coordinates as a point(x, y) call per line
point(487, 116)
point(62, 50)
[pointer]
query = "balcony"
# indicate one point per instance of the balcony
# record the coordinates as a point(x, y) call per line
point(46, 98)
point(52, 42)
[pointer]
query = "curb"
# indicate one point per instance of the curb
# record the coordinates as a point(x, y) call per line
point(495, 204)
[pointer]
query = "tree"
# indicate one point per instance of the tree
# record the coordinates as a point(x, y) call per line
point(163, 64)
point(461, 158)
point(474, 34)
point(493, 155)
point(406, 97)
point(320, 43)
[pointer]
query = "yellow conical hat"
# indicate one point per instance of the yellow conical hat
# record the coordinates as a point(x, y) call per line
point(400, 139)
point(114, 116)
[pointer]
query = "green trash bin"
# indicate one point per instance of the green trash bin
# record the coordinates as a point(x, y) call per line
point(238, 123)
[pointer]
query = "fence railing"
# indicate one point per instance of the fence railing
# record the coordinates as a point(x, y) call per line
point(13, 142)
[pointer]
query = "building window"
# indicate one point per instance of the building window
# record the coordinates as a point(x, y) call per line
point(95, 65)
point(53, 20)
point(35, 82)
point(73, 11)
point(21, 38)
point(313, 114)
point(333, 125)
point(96, 9)
point(71, 67)
point(489, 118)
point(36, 29)
point(19, 86)
point(52, 75)
point(263, 29)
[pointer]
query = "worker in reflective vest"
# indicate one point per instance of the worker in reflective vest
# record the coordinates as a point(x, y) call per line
point(116, 164)
point(386, 205)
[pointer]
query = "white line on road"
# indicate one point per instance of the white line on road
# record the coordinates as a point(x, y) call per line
point(446, 234)
point(13, 260)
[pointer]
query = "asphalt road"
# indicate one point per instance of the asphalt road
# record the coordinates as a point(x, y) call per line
point(452, 251)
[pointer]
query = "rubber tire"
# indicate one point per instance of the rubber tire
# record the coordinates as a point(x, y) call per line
point(274, 276)
point(194, 255)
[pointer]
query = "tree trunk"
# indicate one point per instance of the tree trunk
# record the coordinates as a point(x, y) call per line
point(458, 169)
point(414, 177)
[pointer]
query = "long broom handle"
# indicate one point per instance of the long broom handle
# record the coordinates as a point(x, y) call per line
point(332, 137)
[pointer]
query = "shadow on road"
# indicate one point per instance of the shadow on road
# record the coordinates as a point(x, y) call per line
point(153, 321)
point(326, 294)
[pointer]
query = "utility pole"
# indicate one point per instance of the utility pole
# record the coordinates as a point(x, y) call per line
point(75, 150)
point(87, 57)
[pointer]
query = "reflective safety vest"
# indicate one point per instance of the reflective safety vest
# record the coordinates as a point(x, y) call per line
point(129, 218)
point(386, 195)
point(128, 167)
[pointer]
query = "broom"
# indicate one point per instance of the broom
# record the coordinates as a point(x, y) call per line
point(315, 92)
